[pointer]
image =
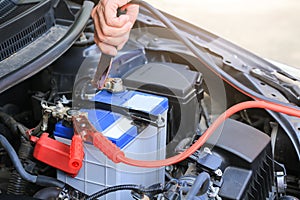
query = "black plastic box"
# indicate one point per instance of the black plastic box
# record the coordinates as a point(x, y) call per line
point(177, 83)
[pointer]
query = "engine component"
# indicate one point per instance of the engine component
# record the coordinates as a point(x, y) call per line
point(247, 162)
point(17, 185)
point(177, 83)
point(114, 85)
point(58, 111)
point(39, 179)
point(16, 129)
point(47, 193)
point(200, 186)
point(138, 137)
point(135, 188)
point(280, 182)
point(209, 161)
point(240, 166)
point(69, 193)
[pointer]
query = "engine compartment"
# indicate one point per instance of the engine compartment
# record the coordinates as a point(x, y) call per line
point(239, 165)
point(250, 156)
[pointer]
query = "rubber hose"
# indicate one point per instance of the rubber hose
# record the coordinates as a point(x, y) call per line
point(12, 124)
point(17, 185)
point(40, 180)
point(49, 181)
point(9, 122)
point(15, 160)
point(47, 193)
point(200, 186)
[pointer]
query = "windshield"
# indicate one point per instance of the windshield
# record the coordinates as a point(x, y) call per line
point(269, 28)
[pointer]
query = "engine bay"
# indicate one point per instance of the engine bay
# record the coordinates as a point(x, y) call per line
point(158, 102)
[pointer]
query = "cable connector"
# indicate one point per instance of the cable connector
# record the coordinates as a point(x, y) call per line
point(76, 152)
point(108, 148)
point(83, 128)
point(59, 155)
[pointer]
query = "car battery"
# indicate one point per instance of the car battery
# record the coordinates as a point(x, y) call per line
point(141, 137)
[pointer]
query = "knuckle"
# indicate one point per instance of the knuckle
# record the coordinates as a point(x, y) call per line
point(119, 47)
point(107, 49)
point(96, 40)
point(111, 51)
point(96, 10)
point(104, 30)
point(101, 47)
point(107, 31)
point(109, 22)
point(101, 38)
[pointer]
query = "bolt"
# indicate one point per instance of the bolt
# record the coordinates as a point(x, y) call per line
point(107, 85)
point(117, 80)
point(218, 172)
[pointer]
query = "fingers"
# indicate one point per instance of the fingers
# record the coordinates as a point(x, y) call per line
point(132, 12)
point(111, 35)
point(112, 32)
point(121, 45)
point(105, 48)
point(110, 12)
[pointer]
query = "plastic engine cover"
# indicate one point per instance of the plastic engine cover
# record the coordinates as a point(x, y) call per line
point(247, 161)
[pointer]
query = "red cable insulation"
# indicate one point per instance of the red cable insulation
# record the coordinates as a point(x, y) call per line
point(234, 109)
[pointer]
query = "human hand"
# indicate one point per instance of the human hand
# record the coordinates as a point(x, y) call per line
point(112, 32)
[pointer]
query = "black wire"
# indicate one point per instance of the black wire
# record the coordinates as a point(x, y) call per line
point(205, 113)
point(204, 59)
point(168, 175)
point(132, 187)
point(112, 189)
point(47, 181)
point(13, 125)
point(16, 161)
point(169, 184)
point(40, 180)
